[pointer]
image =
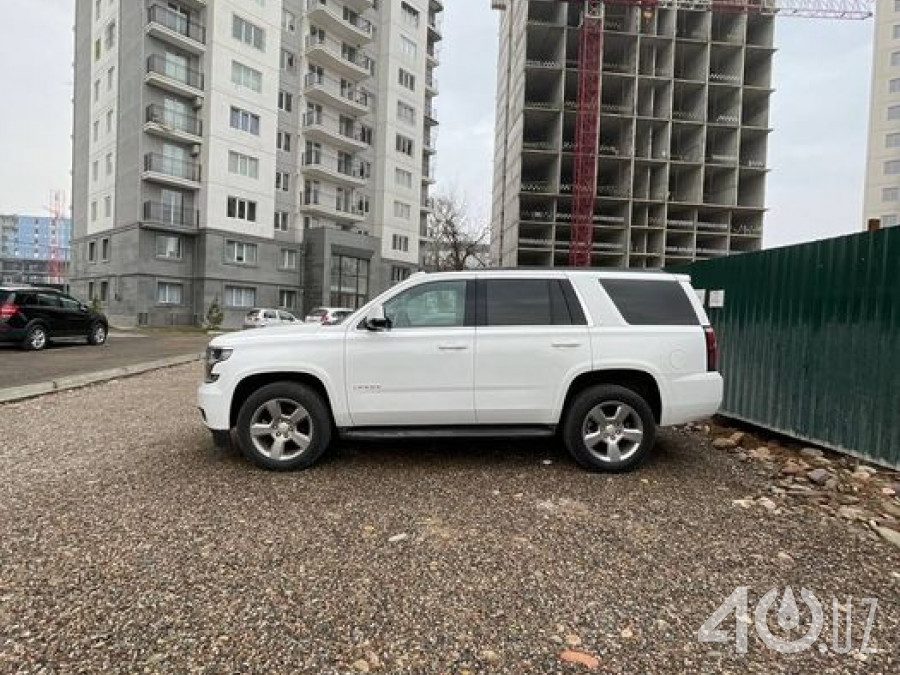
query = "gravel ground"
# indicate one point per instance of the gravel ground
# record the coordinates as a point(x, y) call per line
point(127, 544)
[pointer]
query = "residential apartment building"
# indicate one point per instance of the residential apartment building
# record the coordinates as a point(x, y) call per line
point(34, 249)
point(249, 152)
point(683, 134)
point(882, 191)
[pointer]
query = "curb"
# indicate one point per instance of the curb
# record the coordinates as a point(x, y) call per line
point(11, 394)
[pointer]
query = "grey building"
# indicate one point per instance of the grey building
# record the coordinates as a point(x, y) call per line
point(249, 153)
point(683, 134)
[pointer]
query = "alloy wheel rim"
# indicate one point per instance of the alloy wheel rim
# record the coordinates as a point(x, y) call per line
point(612, 431)
point(38, 338)
point(100, 334)
point(281, 429)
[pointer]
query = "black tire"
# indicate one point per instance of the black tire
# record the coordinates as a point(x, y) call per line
point(316, 426)
point(577, 424)
point(36, 338)
point(97, 334)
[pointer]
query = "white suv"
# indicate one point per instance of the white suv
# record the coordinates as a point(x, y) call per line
point(600, 358)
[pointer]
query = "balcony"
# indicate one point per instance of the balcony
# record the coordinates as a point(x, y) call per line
point(339, 21)
point(169, 216)
point(172, 76)
point(427, 205)
point(319, 89)
point(359, 5)
point(430, 114)
point(428, 172)
point(171, 171)
point(429, 144)
point(183, 31)
point(327, 205)
point(334, 169)
point(337, 57)
point(435, 19)
point(433, 54)
point(327, 129)
point(172, 124)
point(431, 83)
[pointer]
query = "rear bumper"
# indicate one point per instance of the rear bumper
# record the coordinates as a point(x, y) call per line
point(692, 398)
point(10, 334)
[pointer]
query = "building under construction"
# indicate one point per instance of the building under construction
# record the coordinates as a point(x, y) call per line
point(682, 140)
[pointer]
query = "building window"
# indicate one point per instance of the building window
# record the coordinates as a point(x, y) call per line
point(402, 210)
point(402, 177)
point(893, 112)
point(349, 281)
point(404, 145)
point(889, 220)
point(399, 274)
point(109, 121)
point(287, 299)
point(104, 291)
point(243, 165)
point(107, 207)
point(95, 170)
point(288, 60)
point(400, 242)
point(406, 79)
point(168, 246)
point(365, 134)
point(97, 49)
point(93, 211)
point(282, 180)
point(283, 141)
point(892, 167)
point(287, 259)
point(890, 194)
point(895, 31)
point(245, 121)
point(92, 251)
point(245, 76)
point(408, 48)
point(240, 296)
point(109, 164)
point(110, 78)
point(895, 58)
point(406, 113)
point(248, 33)
point(285, 101)
point(242, 209)
point(110, 36)
point(96, 131)
point(288, 21)
point(240, 252)
point(97, 9)
point(282, 221)
point(410, 16)
point(892, 140)
point(168, 293)
point(96, 90)
point(91, 294)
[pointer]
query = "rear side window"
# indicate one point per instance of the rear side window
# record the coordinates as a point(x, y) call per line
point(47, 300)
point(6, 296)
point(525, 302)
point(651, 303)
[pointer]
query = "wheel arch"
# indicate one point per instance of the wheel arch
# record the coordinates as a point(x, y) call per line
point(251, 383)
point(641, 382)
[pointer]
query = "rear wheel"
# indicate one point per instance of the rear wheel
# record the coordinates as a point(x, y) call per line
point(284, 425)
point(36, 338)
point(97, 336)
point(609, 428)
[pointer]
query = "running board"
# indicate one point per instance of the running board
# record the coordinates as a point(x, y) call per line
point(464, 431)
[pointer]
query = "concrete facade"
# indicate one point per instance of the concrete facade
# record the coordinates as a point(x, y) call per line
point(213, 140)
point(682, 142)
point(882, 190)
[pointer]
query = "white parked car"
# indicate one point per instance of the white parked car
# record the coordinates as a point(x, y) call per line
point(328, 315)
point(598, 358)
point(260, 318)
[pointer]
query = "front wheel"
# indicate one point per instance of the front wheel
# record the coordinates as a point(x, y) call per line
point(284, 425)
point(97, 336)
point(609, 428)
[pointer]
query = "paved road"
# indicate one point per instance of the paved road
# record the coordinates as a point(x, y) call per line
point(134, 547)
point(18, 367)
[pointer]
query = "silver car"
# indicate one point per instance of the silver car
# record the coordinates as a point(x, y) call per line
point(262, 317)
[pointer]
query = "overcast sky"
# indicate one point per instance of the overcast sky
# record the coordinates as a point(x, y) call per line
point(816, 153)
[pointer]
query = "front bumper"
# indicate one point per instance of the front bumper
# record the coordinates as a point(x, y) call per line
point(214, 406)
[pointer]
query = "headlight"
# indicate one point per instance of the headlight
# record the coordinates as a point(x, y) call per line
point(214, 355)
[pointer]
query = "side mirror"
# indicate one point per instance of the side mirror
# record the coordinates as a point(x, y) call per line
point(376, 320)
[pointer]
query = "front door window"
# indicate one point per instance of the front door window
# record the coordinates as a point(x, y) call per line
point(440, 304)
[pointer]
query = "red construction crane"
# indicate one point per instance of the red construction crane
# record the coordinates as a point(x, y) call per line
point(590, 57)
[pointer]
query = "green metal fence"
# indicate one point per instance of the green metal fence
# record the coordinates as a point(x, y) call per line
point(810, 340)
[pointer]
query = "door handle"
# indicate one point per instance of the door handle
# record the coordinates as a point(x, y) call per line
point(565, 345)
point(452, 348)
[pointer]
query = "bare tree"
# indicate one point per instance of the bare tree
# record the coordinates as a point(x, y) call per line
point(457, 243)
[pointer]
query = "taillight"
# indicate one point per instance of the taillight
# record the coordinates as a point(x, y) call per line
point(712, 349)
point(8, 311)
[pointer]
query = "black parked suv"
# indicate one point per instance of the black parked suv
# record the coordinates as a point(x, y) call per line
point(33, 316)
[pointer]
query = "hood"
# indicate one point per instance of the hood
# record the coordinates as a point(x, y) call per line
point(269, 334)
